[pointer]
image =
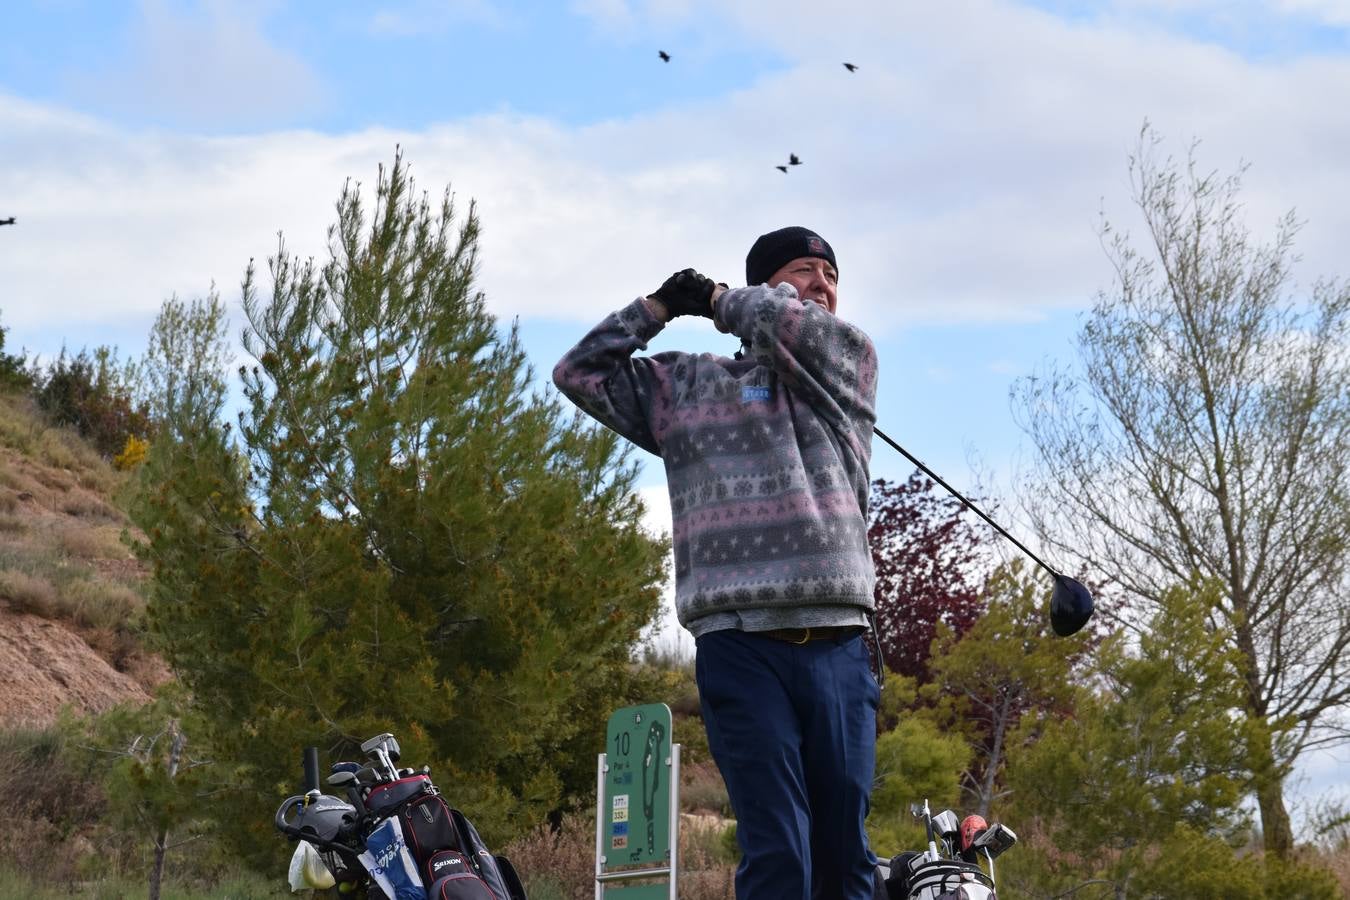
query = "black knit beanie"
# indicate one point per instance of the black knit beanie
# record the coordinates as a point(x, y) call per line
point(776, 249)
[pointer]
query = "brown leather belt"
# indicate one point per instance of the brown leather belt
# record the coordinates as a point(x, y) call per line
point(807, 635)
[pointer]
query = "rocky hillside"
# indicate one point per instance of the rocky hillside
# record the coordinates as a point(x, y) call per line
point(71, 604)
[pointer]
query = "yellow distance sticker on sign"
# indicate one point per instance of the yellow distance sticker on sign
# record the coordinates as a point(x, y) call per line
point(620, 815)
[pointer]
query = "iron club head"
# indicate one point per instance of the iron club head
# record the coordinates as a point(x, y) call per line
point(1070, 606)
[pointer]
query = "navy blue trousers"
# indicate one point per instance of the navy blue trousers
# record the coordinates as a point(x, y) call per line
point(792, 728)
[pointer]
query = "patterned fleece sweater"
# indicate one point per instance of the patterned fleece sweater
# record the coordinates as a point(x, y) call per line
point(766, 458)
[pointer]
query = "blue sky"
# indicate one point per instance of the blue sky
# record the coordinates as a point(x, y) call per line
point(405, 65)
point(151, 148)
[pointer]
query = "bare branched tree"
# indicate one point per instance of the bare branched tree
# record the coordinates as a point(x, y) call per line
point(1207, 435)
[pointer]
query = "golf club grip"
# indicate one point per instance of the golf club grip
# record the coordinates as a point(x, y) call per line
point(957, 494)
point(311, 763)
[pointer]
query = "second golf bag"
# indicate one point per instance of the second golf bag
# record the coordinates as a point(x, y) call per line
point(950, 868)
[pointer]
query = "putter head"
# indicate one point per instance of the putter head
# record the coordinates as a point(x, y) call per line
point(1070, 606)
point(994, 840)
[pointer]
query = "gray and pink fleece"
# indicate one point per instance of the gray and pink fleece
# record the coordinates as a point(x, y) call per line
point(766, 458)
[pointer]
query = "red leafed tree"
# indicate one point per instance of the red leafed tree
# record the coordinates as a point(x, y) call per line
point(928, 558)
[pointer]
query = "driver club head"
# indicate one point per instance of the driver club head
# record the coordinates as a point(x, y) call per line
point(344, 777)
point(1070, 606)
point(946, 825)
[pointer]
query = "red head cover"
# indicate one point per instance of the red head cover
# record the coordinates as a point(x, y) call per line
point(971, 826)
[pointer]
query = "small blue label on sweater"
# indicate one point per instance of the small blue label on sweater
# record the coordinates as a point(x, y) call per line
point(752, 393)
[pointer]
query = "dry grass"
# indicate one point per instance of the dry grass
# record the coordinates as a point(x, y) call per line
point(58, 450)
point(1338, 864)
point(703, 790)
point(91, 543)
point(31, 554)
point(17, 475)
point(29, 593)
point(12, 524)
point(17, 430)
point(84, 505)
point(9, 500)
point(560, 865)
point(55, 479)
point(102, 605)
point(557, 865)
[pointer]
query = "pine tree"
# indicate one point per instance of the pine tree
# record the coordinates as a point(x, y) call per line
point(1142, 787)
point(406, 538)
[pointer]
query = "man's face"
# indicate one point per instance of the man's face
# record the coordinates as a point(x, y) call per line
point(814, 278)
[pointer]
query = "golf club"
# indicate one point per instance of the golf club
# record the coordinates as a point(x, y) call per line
point(384, 750)
point(923, 812)
point(341, 779)
point(1070, 604)
point(995, 840)
point(947, 828)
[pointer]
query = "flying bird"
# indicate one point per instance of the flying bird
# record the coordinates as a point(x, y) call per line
point(782, 169)
point(793, 160)
point(9, 221)
point(851, 67)
point(665, 57)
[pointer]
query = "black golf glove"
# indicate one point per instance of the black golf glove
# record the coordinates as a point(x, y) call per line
point(686, 293)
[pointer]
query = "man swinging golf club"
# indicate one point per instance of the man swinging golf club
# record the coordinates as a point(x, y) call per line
point(766, 460)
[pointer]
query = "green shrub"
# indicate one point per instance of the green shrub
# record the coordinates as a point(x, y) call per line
point(89, 393)
point(14, 373)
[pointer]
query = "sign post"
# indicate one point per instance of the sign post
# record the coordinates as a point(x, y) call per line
point(637, 813)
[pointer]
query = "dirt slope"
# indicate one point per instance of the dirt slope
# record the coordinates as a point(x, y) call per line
point(44, 665)
point(71, 592)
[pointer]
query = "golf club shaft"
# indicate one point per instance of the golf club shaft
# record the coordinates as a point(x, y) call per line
point(957, 494)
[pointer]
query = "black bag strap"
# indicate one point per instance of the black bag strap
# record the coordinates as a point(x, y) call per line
point(481, 857)
point(514, 887)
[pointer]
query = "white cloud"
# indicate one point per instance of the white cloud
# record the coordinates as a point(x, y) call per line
point(666, 630)
point(625, 16)
point(416, 17)
point(615, 15)
point(1331, 12)
point(210, 68)
point(957, 174)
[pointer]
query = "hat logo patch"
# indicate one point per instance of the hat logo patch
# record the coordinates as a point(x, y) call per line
point(815, 245)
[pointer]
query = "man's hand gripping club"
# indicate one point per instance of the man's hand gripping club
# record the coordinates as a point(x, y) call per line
point(686, 293)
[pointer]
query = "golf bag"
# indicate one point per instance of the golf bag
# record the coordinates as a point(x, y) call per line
point(950, 868)
point(397, 834)
point(914, 877)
